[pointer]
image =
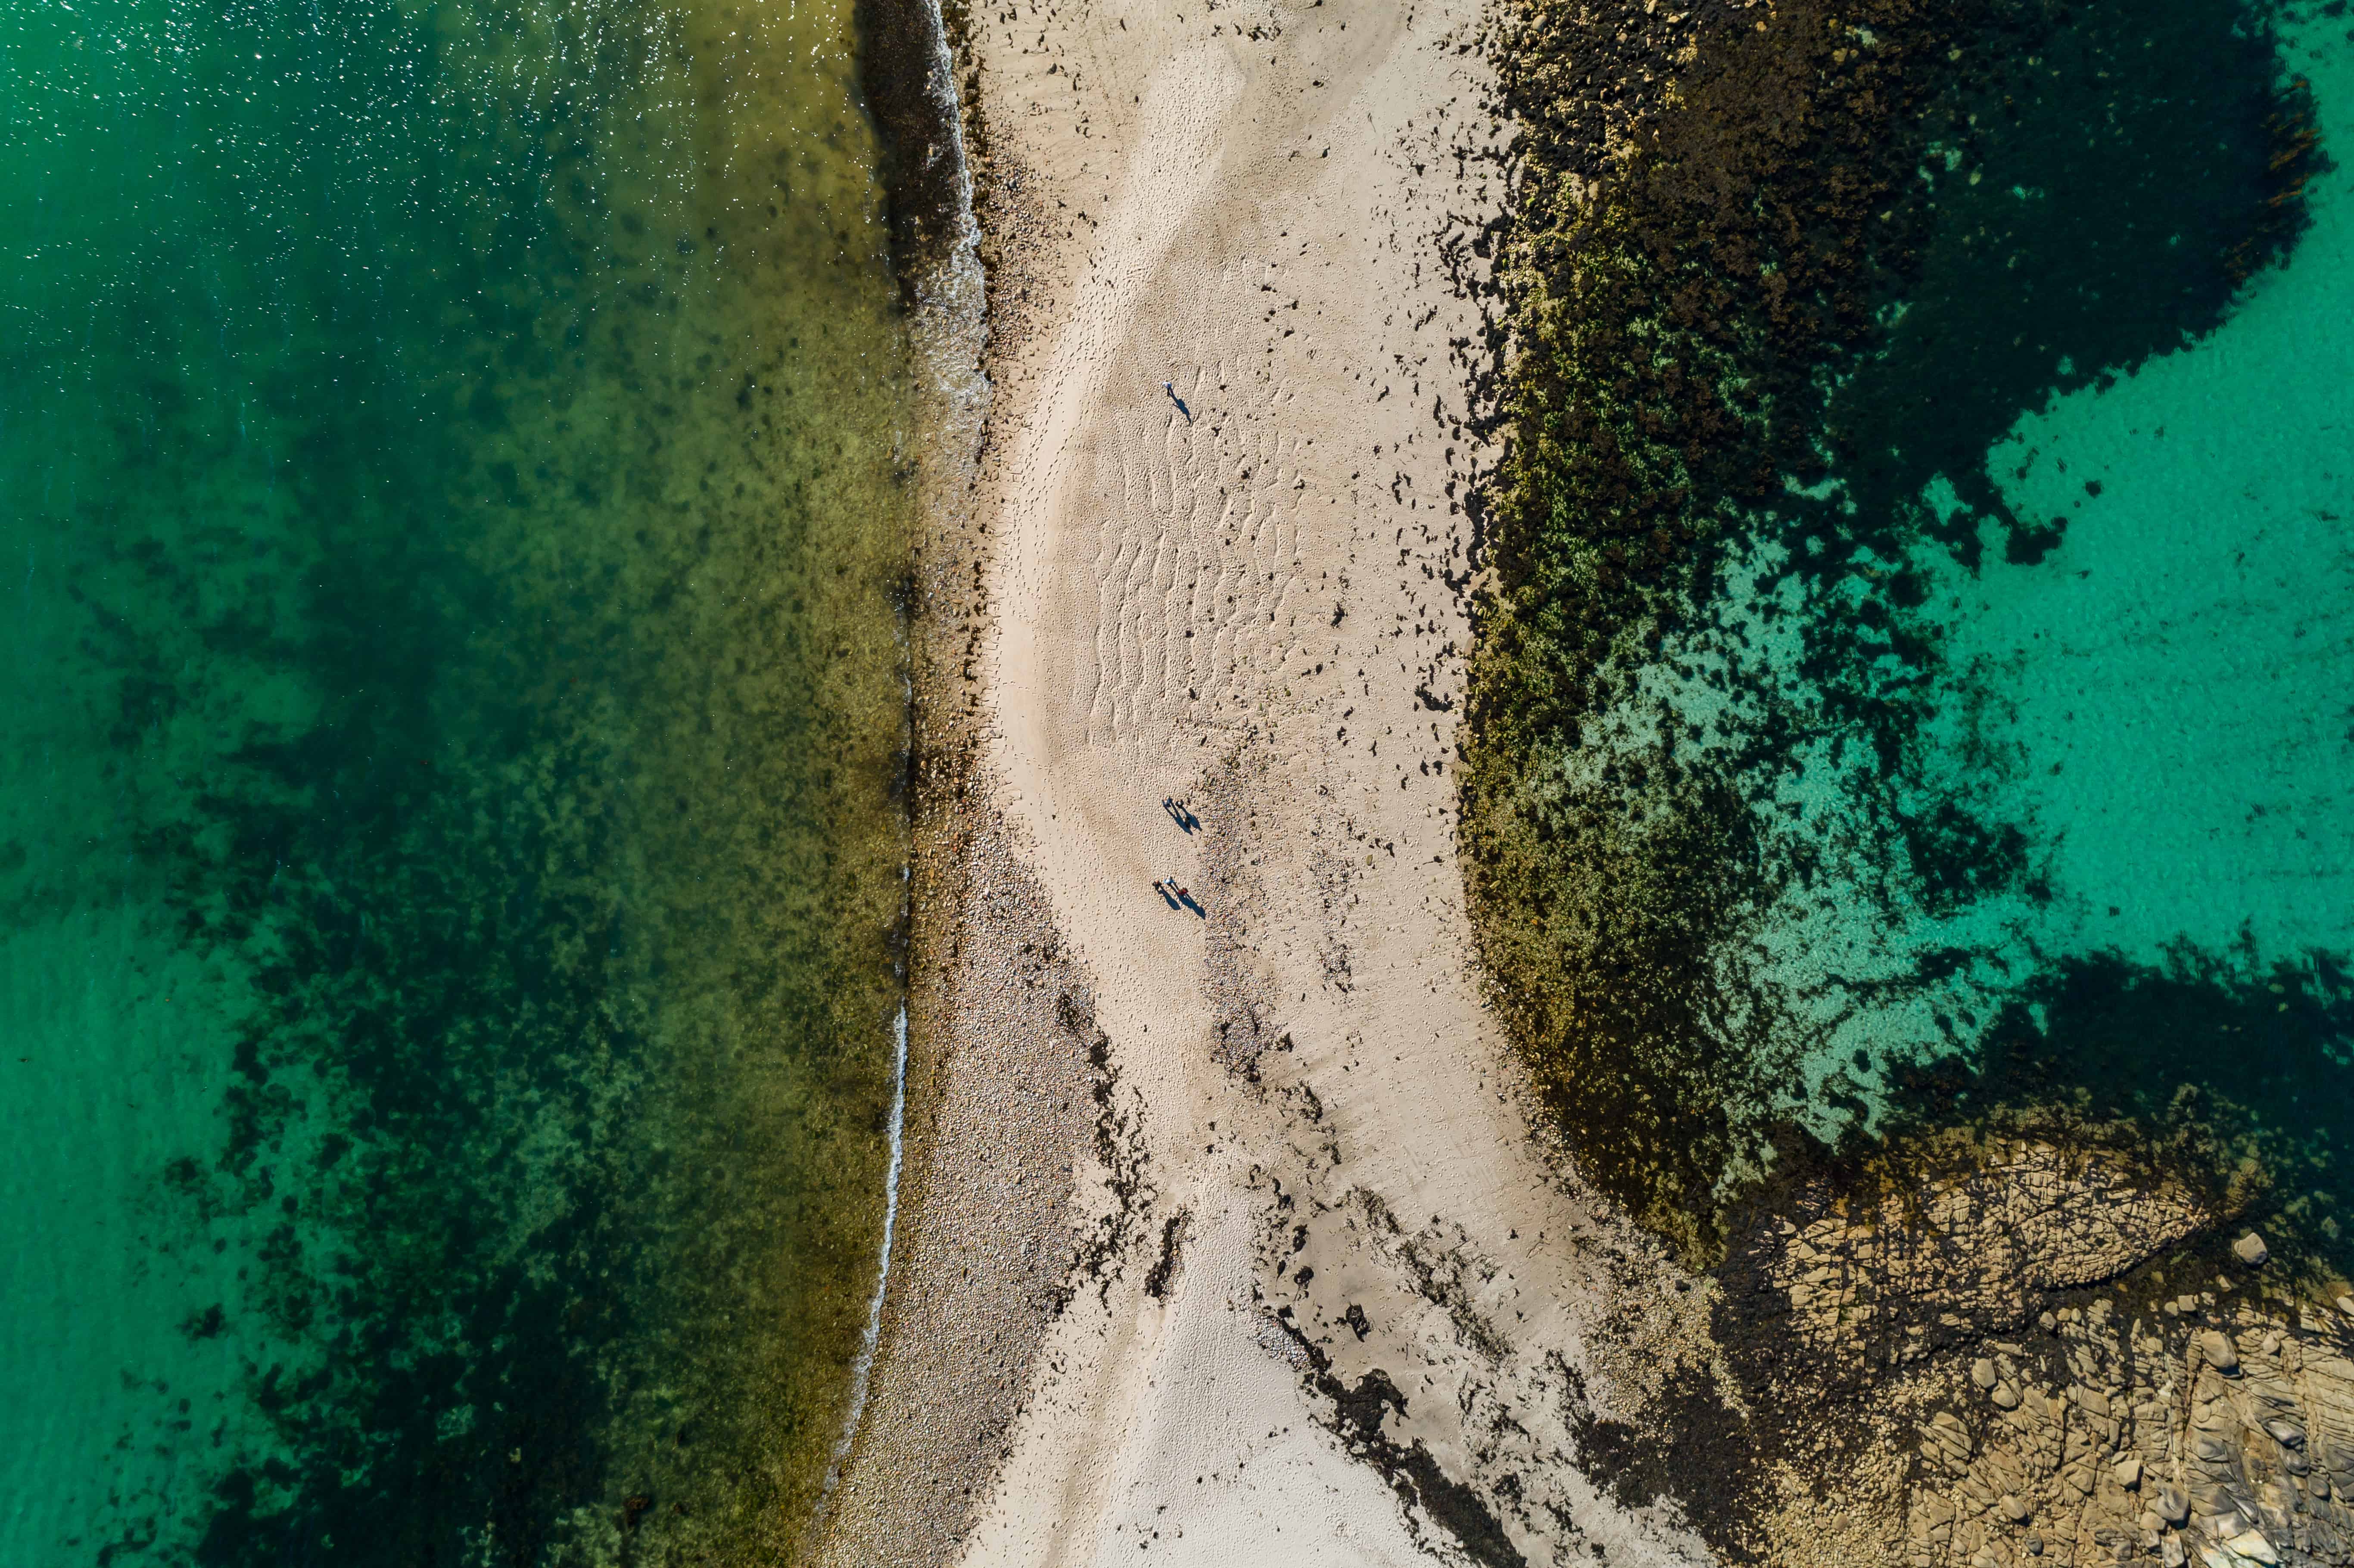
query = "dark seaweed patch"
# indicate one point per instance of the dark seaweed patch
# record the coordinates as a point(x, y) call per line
point(1413, 1472)
point(2098, 193)
point(1640, 1465)
point(1772, 303)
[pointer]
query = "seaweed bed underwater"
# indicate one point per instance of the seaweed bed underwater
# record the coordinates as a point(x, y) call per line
point(1908, 751)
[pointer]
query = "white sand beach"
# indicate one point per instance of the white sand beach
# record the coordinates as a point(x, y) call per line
point(1331, 1229)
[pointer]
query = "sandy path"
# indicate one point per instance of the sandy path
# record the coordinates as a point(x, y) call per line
point(1257, 608)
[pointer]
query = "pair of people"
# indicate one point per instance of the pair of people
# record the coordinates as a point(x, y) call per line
point(1168, 887)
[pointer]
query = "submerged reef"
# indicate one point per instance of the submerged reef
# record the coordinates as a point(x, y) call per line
point(1946, 959)
point(1781, 278)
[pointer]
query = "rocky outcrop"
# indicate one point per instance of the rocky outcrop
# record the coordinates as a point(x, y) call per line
point(1847, 1288)
point(2190, 1430)
point(1987, 1372)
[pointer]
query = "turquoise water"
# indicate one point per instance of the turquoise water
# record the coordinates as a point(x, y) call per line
point(2049, 757)
point(451, 503)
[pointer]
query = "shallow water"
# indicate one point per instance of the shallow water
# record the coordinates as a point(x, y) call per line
point(2040, 726)
point(451, 490)
point(1907, 697)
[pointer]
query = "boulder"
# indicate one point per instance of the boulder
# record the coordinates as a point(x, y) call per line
point(2251, 1546)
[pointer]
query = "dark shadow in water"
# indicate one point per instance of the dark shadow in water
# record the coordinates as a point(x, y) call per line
point(2213, 1068)
point(2092, 209)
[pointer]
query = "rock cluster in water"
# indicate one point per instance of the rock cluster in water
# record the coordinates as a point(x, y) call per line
point(1989, 1369)
point(2116, 1434)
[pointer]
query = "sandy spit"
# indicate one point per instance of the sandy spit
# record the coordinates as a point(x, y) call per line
point(1227, 1237)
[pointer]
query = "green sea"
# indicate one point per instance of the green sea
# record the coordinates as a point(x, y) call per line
point(1920, 691)
point(453, 497)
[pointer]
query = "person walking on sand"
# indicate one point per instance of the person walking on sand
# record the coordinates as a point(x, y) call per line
point(1170, 388)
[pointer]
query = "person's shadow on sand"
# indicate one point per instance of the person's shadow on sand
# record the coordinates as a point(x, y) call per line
point(1166, 897)
point(1179, 815)
point(1170, 388)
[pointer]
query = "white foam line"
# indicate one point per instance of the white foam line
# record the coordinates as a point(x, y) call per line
point(952, 293)
point(953, 300)
point(864, 1368)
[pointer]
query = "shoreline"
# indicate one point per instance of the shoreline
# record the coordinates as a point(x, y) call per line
point(1169, 1283)
point(991, 1041)
point(1149, 1209)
